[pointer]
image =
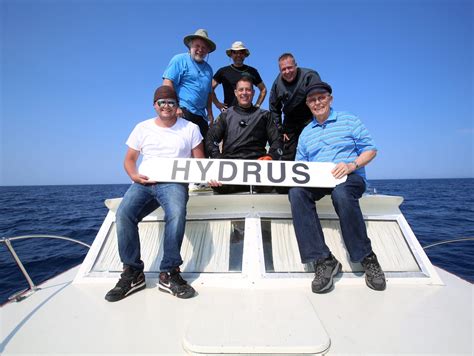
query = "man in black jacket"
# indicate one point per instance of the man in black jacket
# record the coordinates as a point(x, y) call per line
point(244, 131)
point(287, 97)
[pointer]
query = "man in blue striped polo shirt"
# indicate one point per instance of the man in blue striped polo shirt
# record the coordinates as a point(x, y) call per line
point(341, 138)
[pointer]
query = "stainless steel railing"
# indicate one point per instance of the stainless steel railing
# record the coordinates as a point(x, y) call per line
point(7, 242)
point(448, 242)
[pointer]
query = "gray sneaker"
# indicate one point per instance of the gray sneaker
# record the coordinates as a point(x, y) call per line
point(324, 272)
point(374, 276)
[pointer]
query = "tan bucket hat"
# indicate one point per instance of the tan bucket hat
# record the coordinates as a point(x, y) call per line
point(238, 46)
point(202, 34)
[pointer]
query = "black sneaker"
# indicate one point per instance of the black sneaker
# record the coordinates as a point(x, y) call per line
point(374, 276)
point(173, 283)
point(131, 281)
point(324, 272)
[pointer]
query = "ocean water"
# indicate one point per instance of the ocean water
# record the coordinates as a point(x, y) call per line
point(436, 209)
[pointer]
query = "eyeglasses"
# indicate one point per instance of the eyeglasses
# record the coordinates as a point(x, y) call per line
point(320, 98)
point(171, 103)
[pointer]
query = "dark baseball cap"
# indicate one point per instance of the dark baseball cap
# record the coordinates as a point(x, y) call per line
point(318, 87)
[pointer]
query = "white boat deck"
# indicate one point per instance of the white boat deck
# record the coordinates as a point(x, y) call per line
point(74, 318)
point(246, 305)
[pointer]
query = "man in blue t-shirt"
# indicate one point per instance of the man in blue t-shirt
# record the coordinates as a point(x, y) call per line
point(191, 76)
point(341, 138)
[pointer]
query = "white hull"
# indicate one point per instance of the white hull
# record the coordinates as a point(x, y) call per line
point(428, 311)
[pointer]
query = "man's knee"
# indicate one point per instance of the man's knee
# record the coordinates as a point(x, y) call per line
point(176, 211)
point(341, 195)
point(124, 213)
point(296, 193)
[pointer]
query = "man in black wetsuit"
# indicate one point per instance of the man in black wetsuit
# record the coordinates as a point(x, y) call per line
point(244, 130)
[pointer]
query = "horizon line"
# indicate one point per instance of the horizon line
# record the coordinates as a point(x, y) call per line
point(84, 184)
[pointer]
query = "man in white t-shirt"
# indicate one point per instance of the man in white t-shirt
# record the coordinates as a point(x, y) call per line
point(163, 136)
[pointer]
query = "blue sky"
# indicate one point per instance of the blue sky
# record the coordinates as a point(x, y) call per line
point(78, 75)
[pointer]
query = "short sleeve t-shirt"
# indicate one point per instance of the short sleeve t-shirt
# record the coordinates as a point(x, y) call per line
point(192, 81)
point(229, 76)
point(165, 142)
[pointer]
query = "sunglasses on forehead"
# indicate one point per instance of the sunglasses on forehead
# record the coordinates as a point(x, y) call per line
point(170, 102)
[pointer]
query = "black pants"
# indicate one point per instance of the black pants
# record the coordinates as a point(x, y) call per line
point(289, 152)
point(289, 147)
point(201, 122)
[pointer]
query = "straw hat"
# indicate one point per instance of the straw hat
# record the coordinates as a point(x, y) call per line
point(238, 46)
point(202, 34)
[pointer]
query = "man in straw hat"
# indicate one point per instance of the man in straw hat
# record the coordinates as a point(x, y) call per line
point(229, 75)
point(341, 138)
point(191, 76)
point(169, 136)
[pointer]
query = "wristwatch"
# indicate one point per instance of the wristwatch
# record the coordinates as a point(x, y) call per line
point(355, 164)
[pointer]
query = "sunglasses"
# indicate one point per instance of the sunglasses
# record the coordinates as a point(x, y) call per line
point(171, 103)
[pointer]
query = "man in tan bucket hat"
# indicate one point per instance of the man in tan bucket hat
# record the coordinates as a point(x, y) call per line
point(229, 75)
point(191, 76)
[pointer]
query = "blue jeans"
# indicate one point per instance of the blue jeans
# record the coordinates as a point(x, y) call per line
point(139, 201)
point(309, 234)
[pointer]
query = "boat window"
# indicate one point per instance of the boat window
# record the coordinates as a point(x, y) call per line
point(282, 255)
point(208, 246)
point(236, 250)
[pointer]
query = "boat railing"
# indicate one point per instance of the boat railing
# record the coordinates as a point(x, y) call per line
point(460, 239)
point(32, 286)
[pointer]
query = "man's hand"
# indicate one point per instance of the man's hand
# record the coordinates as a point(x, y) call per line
point(221, 106)
point(141, 179)
point(214, 183)
point(342, 169)
point(265, 158)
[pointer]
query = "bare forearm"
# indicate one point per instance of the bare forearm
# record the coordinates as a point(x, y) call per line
point(342, 169)
point(130, 165)
point(262, 95)
point(210, 115)
point(365, 158)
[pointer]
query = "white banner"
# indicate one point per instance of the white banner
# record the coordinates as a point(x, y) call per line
point(241, 172)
